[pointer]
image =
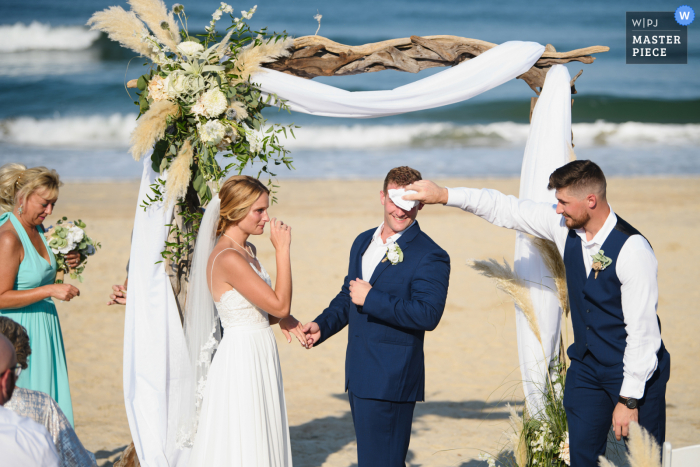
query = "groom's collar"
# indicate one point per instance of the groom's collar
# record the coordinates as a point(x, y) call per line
point(377, 236)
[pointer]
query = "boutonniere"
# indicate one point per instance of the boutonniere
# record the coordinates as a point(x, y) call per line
point(394, 254)
point(600, 262)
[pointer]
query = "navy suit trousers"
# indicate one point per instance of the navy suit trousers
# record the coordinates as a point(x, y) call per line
point(590, 396)
point(383, 431)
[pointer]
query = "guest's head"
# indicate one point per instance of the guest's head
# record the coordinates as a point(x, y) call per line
point(580, 190)
point(8, 369)
point(29, 193)
point(244, 203)
point(395, 218)
point(19, 338)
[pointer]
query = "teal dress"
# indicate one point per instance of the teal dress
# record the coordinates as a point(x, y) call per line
point(47, 371)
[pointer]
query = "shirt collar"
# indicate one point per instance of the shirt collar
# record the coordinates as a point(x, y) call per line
point(603, 233)
point(394, 238)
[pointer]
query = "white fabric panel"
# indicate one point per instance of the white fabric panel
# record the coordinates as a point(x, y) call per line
point(154, 344)
point(547, 149)
point(459, 83)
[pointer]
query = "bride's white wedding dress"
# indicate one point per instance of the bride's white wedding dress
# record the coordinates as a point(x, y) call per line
point(243, 420)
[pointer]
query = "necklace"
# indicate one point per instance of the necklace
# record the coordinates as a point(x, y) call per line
point(246, 249)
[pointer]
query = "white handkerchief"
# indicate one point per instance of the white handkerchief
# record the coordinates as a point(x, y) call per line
point(396, 197)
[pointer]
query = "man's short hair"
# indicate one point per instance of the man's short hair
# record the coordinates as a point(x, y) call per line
point(581, 177)
point(401, 176)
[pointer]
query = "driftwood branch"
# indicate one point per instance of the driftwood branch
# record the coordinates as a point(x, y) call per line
point(318, 56)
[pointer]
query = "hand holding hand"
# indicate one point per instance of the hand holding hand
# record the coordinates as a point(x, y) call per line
point(118, 296)
point(622, 416)
point(291, 325)
point(63, 292)
point(73, 259)
point(312, 332)
point(280, 234)
point(358, 291)
point(427, 192)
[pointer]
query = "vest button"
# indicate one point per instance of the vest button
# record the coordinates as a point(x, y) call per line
point(588, 328)
point(586, 345)
point(588, 311)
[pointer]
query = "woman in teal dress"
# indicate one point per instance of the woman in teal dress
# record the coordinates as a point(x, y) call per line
point(27, 275)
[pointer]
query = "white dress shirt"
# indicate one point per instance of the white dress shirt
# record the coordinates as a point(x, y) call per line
point(24, 442)
point(636, 268)
point(377, 249)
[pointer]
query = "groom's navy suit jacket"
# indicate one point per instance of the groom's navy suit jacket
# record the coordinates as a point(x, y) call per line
point(384, 357)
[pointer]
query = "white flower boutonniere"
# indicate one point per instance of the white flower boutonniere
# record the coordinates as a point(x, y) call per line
point(600, 262)
point(394, 254)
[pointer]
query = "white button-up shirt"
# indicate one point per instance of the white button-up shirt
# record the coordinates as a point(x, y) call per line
point(24, 442)
point(636, 268)
point(377, 249)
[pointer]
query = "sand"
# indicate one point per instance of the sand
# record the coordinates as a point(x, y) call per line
point(471, 358)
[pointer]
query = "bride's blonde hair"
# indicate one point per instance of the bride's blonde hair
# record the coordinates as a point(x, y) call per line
point(17, 182)
point(237, 195)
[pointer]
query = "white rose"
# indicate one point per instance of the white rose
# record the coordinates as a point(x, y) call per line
point(189, 48)
point(212, 132)
point(392, 255)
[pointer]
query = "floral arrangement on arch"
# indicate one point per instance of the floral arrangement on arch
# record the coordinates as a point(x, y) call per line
point(197, 100)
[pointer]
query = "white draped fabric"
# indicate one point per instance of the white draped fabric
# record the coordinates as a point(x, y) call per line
point(153, 340)
point(547, 149)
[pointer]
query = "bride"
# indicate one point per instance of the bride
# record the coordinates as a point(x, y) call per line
point(234, 408)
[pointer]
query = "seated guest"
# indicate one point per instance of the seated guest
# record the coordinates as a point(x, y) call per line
point(22, 441)
point(41, 408)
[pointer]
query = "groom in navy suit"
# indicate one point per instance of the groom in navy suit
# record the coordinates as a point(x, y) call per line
point(394, 291)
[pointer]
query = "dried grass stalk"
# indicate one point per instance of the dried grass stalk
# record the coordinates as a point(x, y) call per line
point(643, 451)
point(179, 174)
point(554, 262)
point(154, 13)
point(250, 58)
point(221, 49)
point(509, 282)
point(516, 438)
point(572, 154)
point(121, 26)
point(151, 127)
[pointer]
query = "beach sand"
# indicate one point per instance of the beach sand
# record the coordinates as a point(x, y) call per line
point(471, 358)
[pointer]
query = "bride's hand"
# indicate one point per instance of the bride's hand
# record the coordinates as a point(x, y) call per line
point(291, 325)
point(280, 234)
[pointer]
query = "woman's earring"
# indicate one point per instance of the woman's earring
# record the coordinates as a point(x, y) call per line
point(20, 210)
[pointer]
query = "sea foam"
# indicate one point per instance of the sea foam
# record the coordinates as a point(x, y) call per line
point(19, 37)
point(113, 132)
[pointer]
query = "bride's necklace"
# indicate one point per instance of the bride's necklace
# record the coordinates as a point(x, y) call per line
point(247, 249)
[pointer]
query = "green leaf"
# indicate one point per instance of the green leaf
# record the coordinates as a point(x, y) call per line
point(158, 154)
point(142, 83)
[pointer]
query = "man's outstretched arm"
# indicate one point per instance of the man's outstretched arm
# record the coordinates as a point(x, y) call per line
point(538, 219)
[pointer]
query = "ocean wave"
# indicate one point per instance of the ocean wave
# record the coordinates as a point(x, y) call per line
point(19, 37)
point(113, 131)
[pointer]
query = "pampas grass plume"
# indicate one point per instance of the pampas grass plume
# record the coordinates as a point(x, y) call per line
point(250, 58)
point(121, 26)
point(179, 174)
point(241, 111)
point(554, 262)
point(151, 127)
point(517, 441)
point(221, 49)
point(643, 451)
point(508, 281)
point(153, 13)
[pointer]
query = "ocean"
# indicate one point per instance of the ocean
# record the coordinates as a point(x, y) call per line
point(63, 101)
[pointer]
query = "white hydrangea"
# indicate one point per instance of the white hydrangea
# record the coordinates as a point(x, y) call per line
point(190, 49)
point(157, 89)
point(212, 132)
point(75, 234)
point(255, 139)
point(214, 103)
point(564, 453)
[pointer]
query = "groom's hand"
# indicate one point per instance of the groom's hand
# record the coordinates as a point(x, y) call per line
point(427, 192)
point(358, 291)
point(312, 333)
point(622, 416)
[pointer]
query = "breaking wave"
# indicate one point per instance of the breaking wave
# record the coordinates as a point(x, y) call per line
point(19, 37)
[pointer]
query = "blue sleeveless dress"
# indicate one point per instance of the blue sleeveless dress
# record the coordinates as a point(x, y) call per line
point(47, 371)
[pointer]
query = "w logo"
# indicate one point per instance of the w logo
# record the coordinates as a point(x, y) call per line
point(684, 15)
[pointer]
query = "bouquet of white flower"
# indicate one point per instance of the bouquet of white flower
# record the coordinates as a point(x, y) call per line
point(66, 237)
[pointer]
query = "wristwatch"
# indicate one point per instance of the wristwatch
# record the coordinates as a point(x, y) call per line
point(628, 402)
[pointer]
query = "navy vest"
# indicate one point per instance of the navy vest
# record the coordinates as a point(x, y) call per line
point(596, 304)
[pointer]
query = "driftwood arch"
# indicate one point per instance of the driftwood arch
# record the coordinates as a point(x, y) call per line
point(314, 56)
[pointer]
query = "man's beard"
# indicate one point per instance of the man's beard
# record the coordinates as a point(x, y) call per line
point(577, 223)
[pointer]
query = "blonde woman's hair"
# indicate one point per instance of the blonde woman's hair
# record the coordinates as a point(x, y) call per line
point(17, 182)
point(237, 195)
